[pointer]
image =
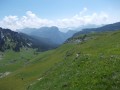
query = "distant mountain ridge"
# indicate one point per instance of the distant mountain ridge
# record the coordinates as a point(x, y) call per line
point(109, 27)
point(52, 33)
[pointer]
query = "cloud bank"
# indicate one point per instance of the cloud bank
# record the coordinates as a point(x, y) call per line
point(31, 20)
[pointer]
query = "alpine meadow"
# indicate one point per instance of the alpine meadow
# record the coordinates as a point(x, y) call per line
point(59, 45)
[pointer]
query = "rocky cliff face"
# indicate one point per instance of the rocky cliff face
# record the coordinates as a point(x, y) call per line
point(12, 40)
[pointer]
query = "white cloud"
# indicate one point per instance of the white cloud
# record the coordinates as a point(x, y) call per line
point(31, 20)
point(80, 20)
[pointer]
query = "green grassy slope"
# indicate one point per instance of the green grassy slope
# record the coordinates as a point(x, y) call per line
point(90, 65)
point(96, 68)
point(11, 61)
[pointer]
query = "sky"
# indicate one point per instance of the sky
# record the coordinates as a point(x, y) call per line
point(19, 14)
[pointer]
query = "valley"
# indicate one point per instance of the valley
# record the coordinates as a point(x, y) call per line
point(90, 64)
point(59, 45)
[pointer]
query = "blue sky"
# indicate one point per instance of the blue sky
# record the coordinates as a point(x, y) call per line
point(52, 10)
point(56, 8)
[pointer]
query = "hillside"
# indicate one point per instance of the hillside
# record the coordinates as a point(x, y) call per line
point(12, 40)
point(15, 41)
point(92, 64)
point(105, 28)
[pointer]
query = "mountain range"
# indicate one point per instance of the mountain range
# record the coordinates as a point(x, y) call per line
point(53, 34)
point(44, 38)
